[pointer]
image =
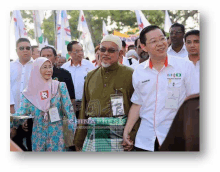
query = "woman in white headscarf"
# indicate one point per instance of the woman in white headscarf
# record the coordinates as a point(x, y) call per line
point(46, 100)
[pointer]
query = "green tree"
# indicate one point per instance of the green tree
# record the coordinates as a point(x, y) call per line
point(121, 19)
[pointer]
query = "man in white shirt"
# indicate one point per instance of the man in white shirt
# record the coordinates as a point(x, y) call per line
point(20, 70)
point(78, 67)
point(193, 47)
point(161, 84)
point(177, 47)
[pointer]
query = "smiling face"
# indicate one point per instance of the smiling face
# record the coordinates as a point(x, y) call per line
point(24, 51)
point(193, 45)
point(107, 59)
point(156, 44)
point(77, 53)
point(46, 70)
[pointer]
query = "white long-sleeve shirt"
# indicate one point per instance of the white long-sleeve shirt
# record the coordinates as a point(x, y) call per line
point(19, 76)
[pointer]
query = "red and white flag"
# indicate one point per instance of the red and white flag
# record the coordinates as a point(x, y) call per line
point(141, 19)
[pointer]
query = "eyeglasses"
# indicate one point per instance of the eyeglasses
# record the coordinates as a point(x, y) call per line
point(110, 50)
point(22, 48)
point(176, 33)
point(155, 42)
point(77, 51)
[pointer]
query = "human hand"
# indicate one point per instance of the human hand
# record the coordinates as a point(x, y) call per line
point(13, 132)
point(12, 109)
point(78, 149)
point(25, 126)
point(127, 142)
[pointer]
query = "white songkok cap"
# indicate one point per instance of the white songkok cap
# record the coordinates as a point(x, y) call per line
point(131, 53)
point(113, 38)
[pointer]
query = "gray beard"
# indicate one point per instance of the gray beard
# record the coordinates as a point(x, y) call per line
point(105, 65)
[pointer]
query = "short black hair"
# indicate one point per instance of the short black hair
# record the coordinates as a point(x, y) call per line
point(136, 42)
point(147, 29)
point(123, 44)
point(33, 47)
point(48, 47)
point(22, 40)
point(191, 32)
point(179, 25)
point(69, 46)
point(130, 46)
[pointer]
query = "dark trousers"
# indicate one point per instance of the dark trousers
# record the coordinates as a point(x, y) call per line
point(156, 147)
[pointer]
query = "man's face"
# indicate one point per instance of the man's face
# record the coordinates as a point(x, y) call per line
point(24, 51)
point(156, 44)
point(176, 35)
point(123, 51)
point(60, 62)
point(193, 45)
point(108, 58)
point(36, 53)
point(77, 53)
point(48, 53)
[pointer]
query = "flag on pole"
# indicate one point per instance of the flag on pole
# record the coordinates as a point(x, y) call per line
point(63, 33)
point(19, 27)
point(104, 29)
point(167, 23)
point(85, 38)
point(142, 21)
point(37, 29)
point(46, 42)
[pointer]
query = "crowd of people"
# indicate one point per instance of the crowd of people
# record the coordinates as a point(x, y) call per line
point(141, 97)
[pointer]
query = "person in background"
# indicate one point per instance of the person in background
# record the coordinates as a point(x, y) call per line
point(131, 47)
point(60, 61)
point(35, 52)
point(97, 61)
point(177, 47)
point(78, 67)
point(20, 70)
point(192, 41)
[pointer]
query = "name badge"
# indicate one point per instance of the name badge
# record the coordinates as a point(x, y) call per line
point(54, 115)
point(172, 100)
point(117, 104)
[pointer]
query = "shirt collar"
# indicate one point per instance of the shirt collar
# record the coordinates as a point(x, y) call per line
point(113, 67)
point(30, 61)
point(182, 49)
point(80, 64)
point(150, 64)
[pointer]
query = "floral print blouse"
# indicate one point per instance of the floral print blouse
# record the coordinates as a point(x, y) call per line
point(48, 136)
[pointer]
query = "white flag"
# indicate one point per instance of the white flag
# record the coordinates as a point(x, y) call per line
point(37, 28)
point(63, 33)
point(104, 29)
point(46, 42)
point(167, 23)
point(142, 21)
point(19, 27)
point(85, 38)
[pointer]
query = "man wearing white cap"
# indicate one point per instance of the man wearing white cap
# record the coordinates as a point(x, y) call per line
point(106, 101)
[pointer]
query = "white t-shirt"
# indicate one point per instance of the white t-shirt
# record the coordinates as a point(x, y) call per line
point(151, 90)
point(79, 73)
